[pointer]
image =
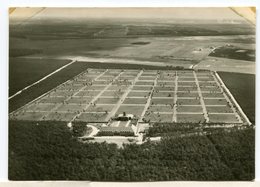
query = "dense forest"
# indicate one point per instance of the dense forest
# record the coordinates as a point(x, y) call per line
point(51, 151)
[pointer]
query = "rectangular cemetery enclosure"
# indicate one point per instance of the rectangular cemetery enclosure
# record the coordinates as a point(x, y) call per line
point(97, 95)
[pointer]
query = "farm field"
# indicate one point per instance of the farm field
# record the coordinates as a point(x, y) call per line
point(132, 41)
point(241, 84)
point(25, 71)
point(96, 95)
point(234, 53)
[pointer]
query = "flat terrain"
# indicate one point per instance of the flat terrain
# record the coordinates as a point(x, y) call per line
point(242, 87)
point(64, 75)
point(23, 71)
point(127, 40)
point(96, 95)
point(46, 85)
point(46, 45)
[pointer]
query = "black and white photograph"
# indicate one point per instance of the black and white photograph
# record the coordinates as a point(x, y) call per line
point(137, 94)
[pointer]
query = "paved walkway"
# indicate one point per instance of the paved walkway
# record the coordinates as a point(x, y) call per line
point(205, 113)
point(148, 100)
point(174, 117)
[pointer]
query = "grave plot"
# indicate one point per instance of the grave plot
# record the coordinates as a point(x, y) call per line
point(29, 116)
point(101, 82)
point(160, 108)
point(187, 94)
point(127, 77)
point(186, 79)
point(210, 89)
point(59, 116)
point(70, 107)
point(190, 118)
point(188, 102)
point(95, 87)
point(64, 93)
point(144, 83)
point(145, 88)
point(146, 78)
point(223, 118)
point(87, 93)
point(79, 100)
point(183, 84)
point(74, 87)
point(203, 84)
point(92, 117)
point(219, 109)
point(138, 94)
point(187, 89)
point(166, 83)
point(212, 95)
point(158, 117)
point(189, 109)
point(166, 94)
point(215, 101)
point(40, 107)
point(105, 78)
point(52, 100)
point(130, 109)
point(100, 108)
point(117, 87)
point(162, 101)
point(115, 94)
point(164, 88)
point(130, 100)
point(101, 100)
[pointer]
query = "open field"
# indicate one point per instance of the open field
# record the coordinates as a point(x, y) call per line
point(232, 52)
point(130, 41)
point(131, 44)
point(242, 87)
point(227, 65)
point(24, 72)
point(91, 97)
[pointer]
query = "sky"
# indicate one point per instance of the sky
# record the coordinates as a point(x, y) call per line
point(169, 13)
